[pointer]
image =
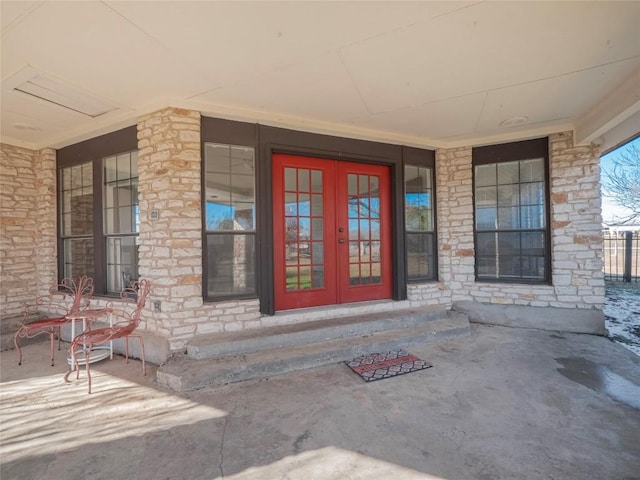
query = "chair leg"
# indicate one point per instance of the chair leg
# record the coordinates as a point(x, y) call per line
point(59, 337)
point(87, 354)
point(15, 342)
point(144, 367)
point(51, 335)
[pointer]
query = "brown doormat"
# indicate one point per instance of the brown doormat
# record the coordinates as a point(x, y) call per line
point(379, 366)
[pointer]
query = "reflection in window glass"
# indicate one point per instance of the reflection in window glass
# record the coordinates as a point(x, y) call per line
point(121, 219)
point(510, 220)
point(230, 219)
point(419, 222)
point(229, 188)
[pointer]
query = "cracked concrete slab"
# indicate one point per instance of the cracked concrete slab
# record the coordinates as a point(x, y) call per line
point(503, 403)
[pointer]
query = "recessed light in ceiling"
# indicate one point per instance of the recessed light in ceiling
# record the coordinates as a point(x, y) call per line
point(54, 91)
point(514, 121)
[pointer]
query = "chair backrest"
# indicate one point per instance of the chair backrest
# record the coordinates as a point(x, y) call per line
point(70, 295)
point(139, 291)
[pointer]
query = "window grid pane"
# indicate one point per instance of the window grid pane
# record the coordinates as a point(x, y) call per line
point(419, 223)
point(510, 223)
point(230, 188)
point(230, 264)
point(229, 212)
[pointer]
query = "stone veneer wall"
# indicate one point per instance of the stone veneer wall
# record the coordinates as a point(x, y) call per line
point(576, 238)
point(171, 247)
point(27, 226)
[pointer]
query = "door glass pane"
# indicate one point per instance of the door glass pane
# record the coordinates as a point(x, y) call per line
point(376, 272)
point(292, 278)
point(352, 182)
point(304, 226)
point(304, 280)
point(354, 274)
point(364, 231)
point(353, 230)
point(290, 204)
point(375, 229)
point(317, 254)
point(316, 181)
point(290, 179)
point(303, 180)
point(354, 207)
point(317, 230)
point(304, 204)
point(317, 276)
point(363, 187)
point(316, 205)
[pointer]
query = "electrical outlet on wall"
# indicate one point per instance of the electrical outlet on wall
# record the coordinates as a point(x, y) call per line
point(156, 306)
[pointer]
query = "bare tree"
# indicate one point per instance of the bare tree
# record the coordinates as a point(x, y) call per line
point(623, 182)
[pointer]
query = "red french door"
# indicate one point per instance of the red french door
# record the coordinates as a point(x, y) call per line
point(332, 238)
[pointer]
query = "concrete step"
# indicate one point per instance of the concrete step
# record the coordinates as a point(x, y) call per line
point(184, 373)
point(283, 336)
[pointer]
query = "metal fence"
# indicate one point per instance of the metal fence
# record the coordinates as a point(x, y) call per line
point(622, 256)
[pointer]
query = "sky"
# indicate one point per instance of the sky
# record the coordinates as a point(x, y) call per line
point(609, 208)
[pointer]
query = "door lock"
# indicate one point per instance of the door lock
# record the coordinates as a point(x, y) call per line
point(341, 240)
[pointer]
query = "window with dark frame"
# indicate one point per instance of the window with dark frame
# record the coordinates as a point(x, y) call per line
point(230, 217)
point(118, 202)
point(419, 223)
point(510, 201)
point(98, 210)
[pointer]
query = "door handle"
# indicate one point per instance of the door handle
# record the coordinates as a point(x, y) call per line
point(341, 240)
point(341, 229)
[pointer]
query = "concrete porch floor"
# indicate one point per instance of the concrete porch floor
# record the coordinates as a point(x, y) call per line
point(504, 403)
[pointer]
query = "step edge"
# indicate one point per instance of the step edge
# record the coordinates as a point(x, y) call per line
point(246, 370)
point(287, 340)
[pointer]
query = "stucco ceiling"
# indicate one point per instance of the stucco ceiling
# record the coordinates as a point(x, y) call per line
point(435, 74)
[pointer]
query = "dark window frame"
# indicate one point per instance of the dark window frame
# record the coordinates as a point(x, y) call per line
point(511, 152)
point(266, 141)
point(228, 132)
point(226, 233)
point(423, 159)
point(94, 151)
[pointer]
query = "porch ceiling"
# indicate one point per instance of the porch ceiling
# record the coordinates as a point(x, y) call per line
point(434, 74)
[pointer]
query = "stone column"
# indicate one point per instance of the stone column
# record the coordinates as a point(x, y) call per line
point(576, 223)
point(455, 220)
point(45, 209)
point(171, 245)
point(18, 226)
